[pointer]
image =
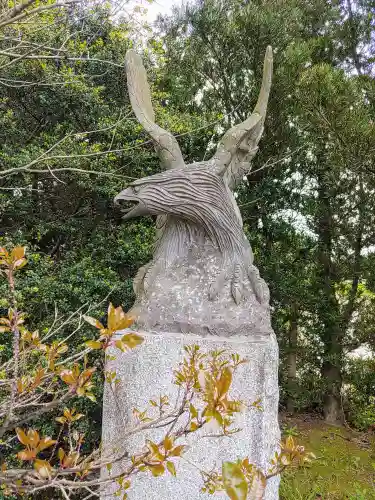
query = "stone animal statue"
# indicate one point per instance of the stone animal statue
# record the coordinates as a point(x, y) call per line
point(202, 277)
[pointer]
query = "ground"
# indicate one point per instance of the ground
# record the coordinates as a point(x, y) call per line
point(344, 468)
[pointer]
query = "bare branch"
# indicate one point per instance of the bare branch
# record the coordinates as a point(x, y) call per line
point(29, 55)
point(15, 16)
point(12, 13)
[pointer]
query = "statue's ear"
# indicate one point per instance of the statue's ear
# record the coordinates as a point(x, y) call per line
point(240, 143)
point(140, 98)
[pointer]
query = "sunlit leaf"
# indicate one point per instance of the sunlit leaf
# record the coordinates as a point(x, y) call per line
point(93, 322)
point(44, 443)
point(62, 348)
point(26, 454)
point(171, 468)
point(193, 411)
point(218, 417)
point(33, 438)
point(258, 487)
point(71, 459)
point(111, 313)
point(43, 468)
point(234, 481)
point(131, 340)
point(177, 451)
point(289, 443)
point(225, 381)
point(168, 443)
point(94, 344)
point(68, 377)
point(154, 448)
point(157, 470)
point(22, 436)
point(19, 264)
point(117, 319)
point(120, 345)
point(17, 253)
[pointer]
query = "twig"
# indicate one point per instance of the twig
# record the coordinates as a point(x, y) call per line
point(269, 165)
point(65, 495)
point(13, 17)
point(38, 57)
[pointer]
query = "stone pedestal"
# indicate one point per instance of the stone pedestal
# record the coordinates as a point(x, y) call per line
point(146, 373)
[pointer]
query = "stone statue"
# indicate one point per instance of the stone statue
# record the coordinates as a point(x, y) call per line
point(202, 278)
point(200, 289)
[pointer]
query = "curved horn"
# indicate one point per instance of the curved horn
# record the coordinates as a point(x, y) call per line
point(261, 105)
point(140, 98)
point(240, 142)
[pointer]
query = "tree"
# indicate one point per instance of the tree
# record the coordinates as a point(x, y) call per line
point(68, 145)
point(314, 175)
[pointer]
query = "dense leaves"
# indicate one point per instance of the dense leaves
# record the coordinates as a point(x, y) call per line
point(308, 205)
point(69, 143)
point(37, 378)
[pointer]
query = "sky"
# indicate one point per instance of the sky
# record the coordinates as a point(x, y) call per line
point(160, 7)
point(156, 7)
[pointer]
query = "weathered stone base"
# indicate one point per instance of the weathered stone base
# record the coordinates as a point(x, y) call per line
point(146, 373)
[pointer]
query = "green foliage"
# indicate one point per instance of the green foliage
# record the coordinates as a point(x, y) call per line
point(360, 393)
point(82, 116)
point(308, 205)
point(290, 431)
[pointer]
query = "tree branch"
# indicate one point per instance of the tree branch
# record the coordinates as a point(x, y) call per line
point(55, 57)
point(13, 16)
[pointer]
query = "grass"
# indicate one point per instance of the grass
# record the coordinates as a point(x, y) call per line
point(344, 468)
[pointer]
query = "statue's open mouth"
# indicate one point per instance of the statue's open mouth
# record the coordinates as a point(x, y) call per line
point(127, 205)
point(130, 204)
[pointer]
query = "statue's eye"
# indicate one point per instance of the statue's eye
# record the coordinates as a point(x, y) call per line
point(136, 189)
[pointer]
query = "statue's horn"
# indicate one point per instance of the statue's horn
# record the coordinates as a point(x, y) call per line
point(140, 98)
point(241, 141)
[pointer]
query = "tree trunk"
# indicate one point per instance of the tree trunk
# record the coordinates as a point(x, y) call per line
point(333, 412)
point(328, 307)
point(292, 359)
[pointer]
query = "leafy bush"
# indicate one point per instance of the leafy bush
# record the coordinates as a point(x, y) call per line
point(44, 377)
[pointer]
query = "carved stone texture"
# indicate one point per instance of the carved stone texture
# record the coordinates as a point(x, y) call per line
point(145, 373)
point(202, 277)
point(201, 287)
